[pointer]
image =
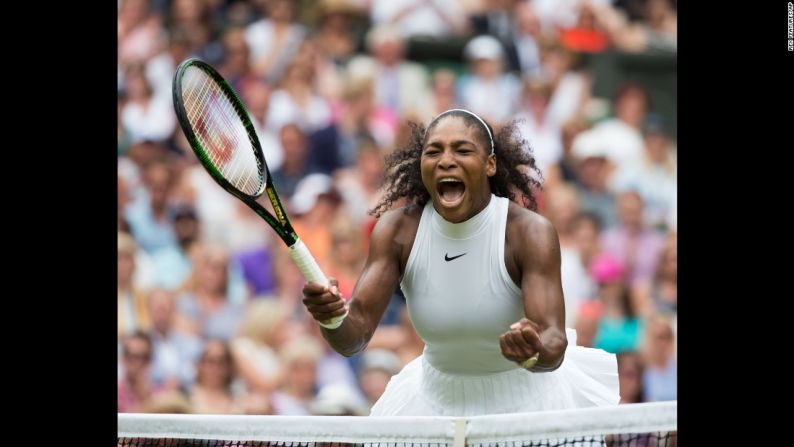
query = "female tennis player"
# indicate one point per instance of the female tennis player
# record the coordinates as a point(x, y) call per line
point(481, 276)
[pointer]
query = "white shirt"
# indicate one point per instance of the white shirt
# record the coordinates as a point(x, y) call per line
point(493, 99)
point(261, 36)
point(459, 294)
point(422, 20)
point(314, 115)
point(544, 140)
point(156, 122)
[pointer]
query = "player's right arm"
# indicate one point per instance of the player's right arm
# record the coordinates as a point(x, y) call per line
point(372, 293)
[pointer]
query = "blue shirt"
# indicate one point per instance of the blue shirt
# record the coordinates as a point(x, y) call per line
point(618, 335)
point(661, 384)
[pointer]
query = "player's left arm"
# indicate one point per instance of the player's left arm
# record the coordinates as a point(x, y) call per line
point(542, 332)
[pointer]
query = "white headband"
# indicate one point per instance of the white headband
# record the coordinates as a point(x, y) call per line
point(490, 137)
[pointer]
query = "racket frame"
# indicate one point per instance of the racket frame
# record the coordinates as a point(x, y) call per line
point(280, 223)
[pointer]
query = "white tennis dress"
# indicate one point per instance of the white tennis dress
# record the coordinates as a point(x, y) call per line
point(461, 299)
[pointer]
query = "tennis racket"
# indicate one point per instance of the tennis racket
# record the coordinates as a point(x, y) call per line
point(219, 130)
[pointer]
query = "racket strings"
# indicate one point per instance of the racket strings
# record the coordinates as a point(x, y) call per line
point(225, 114)
point(217, 124)
point(218, 110)
point(205, 122)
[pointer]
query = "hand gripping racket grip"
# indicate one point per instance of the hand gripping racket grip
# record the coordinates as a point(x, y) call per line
point(311, 271)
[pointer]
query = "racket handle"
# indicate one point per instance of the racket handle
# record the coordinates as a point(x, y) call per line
point(312, 272)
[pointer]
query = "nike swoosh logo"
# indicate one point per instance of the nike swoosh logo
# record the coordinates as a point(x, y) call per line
point(447, 258)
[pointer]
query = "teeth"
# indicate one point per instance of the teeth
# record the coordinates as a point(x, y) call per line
point(448, 180)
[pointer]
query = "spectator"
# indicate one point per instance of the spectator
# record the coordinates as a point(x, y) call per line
point(135, 388)
point(631, 242)
point(174, 352)
point(660, 377)
point(212, 392)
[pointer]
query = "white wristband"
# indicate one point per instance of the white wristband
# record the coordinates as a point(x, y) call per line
point(333, 323)
point(530, 362)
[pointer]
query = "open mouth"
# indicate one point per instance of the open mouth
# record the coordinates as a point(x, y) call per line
point(450, 191)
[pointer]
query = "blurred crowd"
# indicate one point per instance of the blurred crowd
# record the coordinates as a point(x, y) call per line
point(210, 318)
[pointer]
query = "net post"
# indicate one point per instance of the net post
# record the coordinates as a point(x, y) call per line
point(460, 433)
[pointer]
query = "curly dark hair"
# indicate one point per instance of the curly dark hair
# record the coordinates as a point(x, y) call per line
point(514, 164)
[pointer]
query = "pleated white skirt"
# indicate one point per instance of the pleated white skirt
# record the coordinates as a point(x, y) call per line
point(587, 378)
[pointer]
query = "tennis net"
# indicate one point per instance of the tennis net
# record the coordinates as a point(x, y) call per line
point(640, 425)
